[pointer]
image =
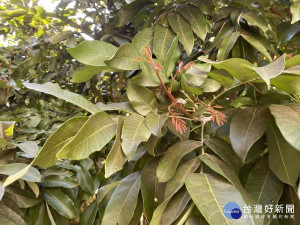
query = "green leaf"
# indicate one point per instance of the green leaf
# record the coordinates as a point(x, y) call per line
point(87, 72)
point(286, 31)
point(289, 84)
point(62, 136)
point(89, 214)
point(143, 38)
point(221, 76)
point(11, 215)
point(61, 37)
point(23, 198)
point(119, 106)
point(246, 127)
point(12, 178)
point(128, 12)
point(263, 185)
point(116, 158)
point(211, 193)
point(295, 60)
point(93, 53)
point(2, 189)
point(255, 18)
point(196, 18)
point(175, 207)
point(172, 56)
point(196, 75)
point(35, 188)
point(142, 99)
point(32, 174)
point(55, 90)
point(121, 206)
point(210, 85)
point(60, 202)
point(13, 13)
point(104, 190)
point(29, 147)
point(283, 158)
point(155, 123)
point(295, 10)
point(151, 188)
point(287, 119)
point(125, 58)
point(271, 70)
point(134, 132)
point(183, 29)
point(224, 150)
point(85, 180)
point(93, 136)
point(226, 45)
point(162, 41)
point(236, 67)
point(59, 181)
point(7, 129)
point(257, 43)
point(167, 167)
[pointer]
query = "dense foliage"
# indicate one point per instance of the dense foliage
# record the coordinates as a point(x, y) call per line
point(148, 112)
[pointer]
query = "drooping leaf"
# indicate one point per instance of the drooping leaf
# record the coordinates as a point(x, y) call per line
point(34, 187)
point(59, 181)
point(142, 99)
point(196, 18)
point(210, 85)
point(286, 31)
point(211, 193)
point(289, 84)
point(89, 214)
point(125, 58)
point(246, 127)
point(155, 123)
point(235, 66)
point(116, 158)
point(143, 38)
point(98, 130)
point(183, 29)
point(104, 190)
point(32, 174)
point(263, 185)
point(60, 37)
point(288, 122)
point(60, 202)
point(121, 206)
point(283, 158)
point(11, 215)
point(295, 10)
point(93, 53)
point(162, 40)
point(55, 90)
point(226, 45)
point(167, 167)
point(271, 70)
point(196, 75)
point(62, 136)
point(221, 76)
point(30, 148)
point(134, 132)
point(87, 72)
point(85, 180)
point(255, 18)
point(23, 198)
point(171, 57)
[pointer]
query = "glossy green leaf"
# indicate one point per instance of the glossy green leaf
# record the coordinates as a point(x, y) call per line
point(89, 214)
point(60, 202)
point(167, 167)
point(271, 70)
point(32, 174)
point(30, 148)
point(257, 43)
point(55, 90)
point(236, 67)
point(59, 181)
point(246, 127)
point(116, 158)
point(143, 38)
point(134, 132)
point(125, 58)
point(155, 122)
point(295, 60)
point(93, 136)
point(283, 158)
point(23, 198)
point(288, 122)
point(208, 193)
point(85, 180)
point(264, 186)
point(226, 45)
point(183, 29)
point(196, 75)
point(255, 18)
point(62, 136)
point(34, 187)
point(60, 37)
point(210, 85)
point(121, 206)
point(286, 31)
point(162, 41)
point(93, 53)
point(142, 99)
point(295, 10)
point(172, 56)
point(87, 72)
point(289, 84)
point(221, 76)
point(196, 18)
point(104, 190)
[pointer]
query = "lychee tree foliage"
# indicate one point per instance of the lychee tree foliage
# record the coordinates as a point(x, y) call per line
point(209, 115)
